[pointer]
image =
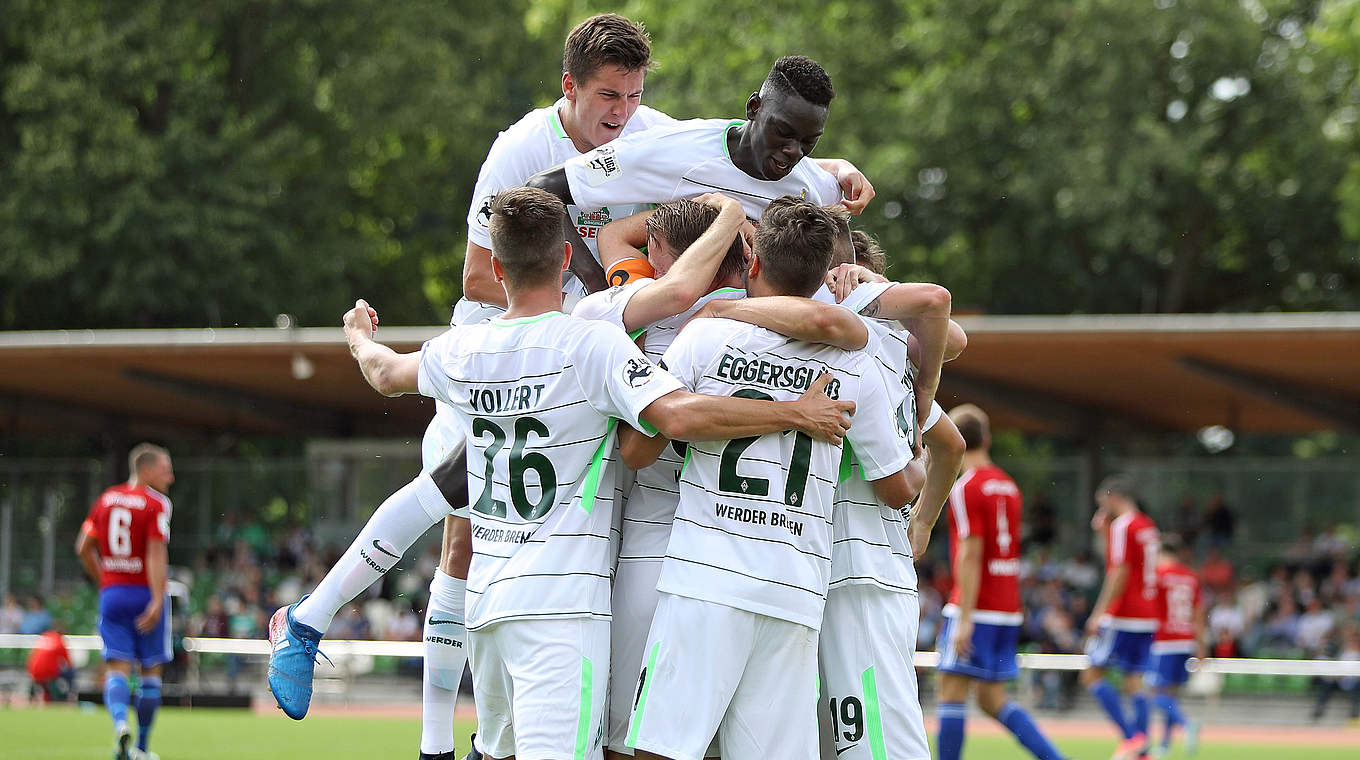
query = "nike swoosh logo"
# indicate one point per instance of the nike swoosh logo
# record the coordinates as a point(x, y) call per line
point(433, 621)
point(842, 749)
point(384, 551)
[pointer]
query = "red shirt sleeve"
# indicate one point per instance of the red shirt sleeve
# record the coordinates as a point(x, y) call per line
point(92, 521)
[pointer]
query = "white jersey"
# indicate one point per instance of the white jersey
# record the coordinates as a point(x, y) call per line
point(534, 143)
point(683, 160)
point(649, 508)
point(753, 527)
point(535, 397)
point(870, 544)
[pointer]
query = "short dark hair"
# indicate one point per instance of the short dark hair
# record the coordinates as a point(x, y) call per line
point(606, 40)
point(1119, 485)
point(145, 455)
point(680, 223)
point(868, 253)
point(973, 425)
point(526, 234)
point(801, 76)
point(794, 243)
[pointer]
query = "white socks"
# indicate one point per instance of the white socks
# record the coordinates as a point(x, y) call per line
point(396, 524)
point(445, 655)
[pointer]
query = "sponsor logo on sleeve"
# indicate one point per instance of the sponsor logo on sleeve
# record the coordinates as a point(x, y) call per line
point(484, 212)
point(602, 166)
point(637, 372)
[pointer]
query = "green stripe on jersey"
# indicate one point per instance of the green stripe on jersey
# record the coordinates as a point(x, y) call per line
point(502, 322)
point(586, 709)
point(596, 469)
point(873, 719)
point(556, 121)
point(730, 124)
point(847, 462)
point(641, 705)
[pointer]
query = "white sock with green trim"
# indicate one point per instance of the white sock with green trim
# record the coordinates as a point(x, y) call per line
point(445, 657)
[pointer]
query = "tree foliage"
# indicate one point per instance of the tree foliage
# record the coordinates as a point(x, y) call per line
point(217, 163)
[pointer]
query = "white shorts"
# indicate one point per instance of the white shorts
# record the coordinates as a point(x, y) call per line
point(552, 673)
point(634, 604)
point(710, 668)
point(869, 695)
point(441, 442)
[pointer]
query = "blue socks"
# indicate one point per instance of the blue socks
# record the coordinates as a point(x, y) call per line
point(1019, 722)
point(952, 717)
point(1108, 698)
point(1169, 706)
point(148, 701)
point(117, 696)
point(1140, 713)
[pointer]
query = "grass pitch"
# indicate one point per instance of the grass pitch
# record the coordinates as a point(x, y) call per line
point(68, 734)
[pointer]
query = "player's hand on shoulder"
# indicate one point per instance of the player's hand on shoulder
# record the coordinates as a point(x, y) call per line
point(843, 279)
point(825, 418)
point(360, 321)
point(856, 187)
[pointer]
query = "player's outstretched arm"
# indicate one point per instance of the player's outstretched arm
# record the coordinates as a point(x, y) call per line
point(685, 416)
point(855, 186)
point(157, 560)
point(693, 271)
point(479, 283)
point(389, 372)
point(87, 548)
point(800, 318)
point(944, 455)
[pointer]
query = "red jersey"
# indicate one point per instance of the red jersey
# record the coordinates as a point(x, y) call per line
point(1178, 598)
point(48, 657)
point(122, 520)
point(986, 503)
point(1133, 543)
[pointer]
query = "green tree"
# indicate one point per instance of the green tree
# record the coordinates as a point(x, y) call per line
point(217, 163)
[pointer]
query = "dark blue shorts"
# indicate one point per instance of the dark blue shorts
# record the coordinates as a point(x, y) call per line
point(1129, 651)
point(1168, 669)
point(119, 607)
point(993, 655)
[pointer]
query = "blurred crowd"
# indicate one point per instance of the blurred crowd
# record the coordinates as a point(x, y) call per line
point(1305, 603)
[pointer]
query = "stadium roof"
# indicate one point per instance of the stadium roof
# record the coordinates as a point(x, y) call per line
point(1065, 375)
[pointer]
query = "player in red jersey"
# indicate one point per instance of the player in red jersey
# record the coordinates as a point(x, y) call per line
point(1125, 616)
point(122, 546)
point(982, 619)
point(1179, 635)
point(49, 666)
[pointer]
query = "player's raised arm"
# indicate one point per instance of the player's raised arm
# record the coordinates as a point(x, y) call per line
point(389, 372)
point(795, 317)
point(623, 239)
point(553, 180)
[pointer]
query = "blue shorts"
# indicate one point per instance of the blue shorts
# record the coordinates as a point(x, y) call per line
point(1168, 669)
point(993, 655)
point(1129, 651)
point(119, 607)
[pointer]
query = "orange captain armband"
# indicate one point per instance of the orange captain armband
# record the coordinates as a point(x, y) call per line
point(626, 270)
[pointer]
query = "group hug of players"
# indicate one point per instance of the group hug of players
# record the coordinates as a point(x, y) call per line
point(684, 465)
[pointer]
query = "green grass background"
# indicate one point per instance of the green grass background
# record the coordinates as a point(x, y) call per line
point(68, 734)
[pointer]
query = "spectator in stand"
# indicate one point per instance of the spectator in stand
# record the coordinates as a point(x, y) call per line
point(1315, 628)
point(11, 615)
point(1217, 573)
point(36, 618)
point(1225, 645)
point(1326, 687)
point(1219, 523)
point(1227, 617)
point(1282, 625)
point(1080, 573)
point(49, 666)
point(215, 623)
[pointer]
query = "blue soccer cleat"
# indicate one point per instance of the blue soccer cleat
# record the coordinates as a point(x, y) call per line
point(292, 660)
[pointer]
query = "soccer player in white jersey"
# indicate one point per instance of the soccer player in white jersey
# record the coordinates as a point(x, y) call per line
point(525, 385)
point(660, 307)
point(754, 161)
point(733, 645)
point(870, 704)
